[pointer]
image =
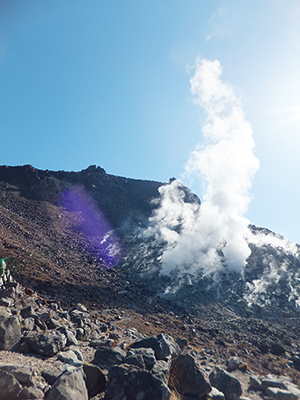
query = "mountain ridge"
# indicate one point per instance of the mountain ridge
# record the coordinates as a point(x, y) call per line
point(50, 251)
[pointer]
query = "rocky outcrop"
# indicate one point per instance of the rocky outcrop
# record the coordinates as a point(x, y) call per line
point(189, 378)
point(113, 363)
point(9, 386)
point(130, 382)
point(226, 383)
point(163, 346)
point(10, 332)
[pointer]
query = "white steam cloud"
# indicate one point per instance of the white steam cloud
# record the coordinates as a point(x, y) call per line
point(215, 233)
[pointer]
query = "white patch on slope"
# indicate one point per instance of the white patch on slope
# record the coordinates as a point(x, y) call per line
point(277, 268)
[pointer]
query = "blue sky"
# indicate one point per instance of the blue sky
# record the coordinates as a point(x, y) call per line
point(107, 83)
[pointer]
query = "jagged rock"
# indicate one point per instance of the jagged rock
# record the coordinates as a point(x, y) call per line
point(233, 363)
point(134, 359)
point(215, 394)
point(226, 383)
point(9, 386)
point(40, 325)
point(80, 334)
point(147, 355)
point(28, 323)
point(296, 362)
point(9, 292)
point(281, 394)
point(44, 314)
point(81, 307)
point(71, 339)
point(10, 332)
point(101, 343)
point(27, 311)
point(70, 357)
point(4, 313)
point(31, 392)
point(46, 344)
point(53, 323)
point(182, 342)
point(77, 317)
point(188, 378)
point(51, 374)
point(95, 379)
point(69, 386)
point(277, 348)
point(128, 382)
point(162, 344)
point(109, 356)
point(255, 382)
point(21, 372)
point(161, 369)
point(273, 381)
point(6, 301)
point(263, 347)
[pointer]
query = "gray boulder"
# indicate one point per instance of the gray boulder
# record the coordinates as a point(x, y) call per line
point(95, 379)
point(128, 382)
point(51, 374)
point(6, 301)
point(277, 348)
point(109, 356)
point(10, 332)
point(47, 343)
point(28, 323)
point(188, 378)
point(182, 342)
point(134, 359)
point(147, 355)
point(69, 386)
point(31, 392)
point(281, 394)
point(255, 382)
point(162, 344)
point(71, 339)
point(104, 342)
point(273, 381)
point(70, 357)
point(215, 394)
point(9, 386)
point(161, 369)
point(233, 363)
point(21, 372)
point(226, 383)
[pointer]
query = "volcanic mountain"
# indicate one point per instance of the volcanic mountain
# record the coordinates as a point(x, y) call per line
point(78, 237)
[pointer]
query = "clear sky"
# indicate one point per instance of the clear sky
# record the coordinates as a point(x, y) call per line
point(106, 82)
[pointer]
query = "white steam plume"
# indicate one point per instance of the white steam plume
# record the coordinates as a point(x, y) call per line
point(218, 231)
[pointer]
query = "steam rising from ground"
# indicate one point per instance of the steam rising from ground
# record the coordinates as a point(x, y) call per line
point(215, 234)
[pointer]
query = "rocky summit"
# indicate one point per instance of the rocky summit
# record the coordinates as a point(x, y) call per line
point(86, 314)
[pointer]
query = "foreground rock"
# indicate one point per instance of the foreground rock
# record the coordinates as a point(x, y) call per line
point(130, 382)
point(226, 383)
point(9, 386)
point(77, 356)
point(188, 377)
point(163, 346)
point(46, 344)
point(70, 386)
point(275, 387)
point(10, 331)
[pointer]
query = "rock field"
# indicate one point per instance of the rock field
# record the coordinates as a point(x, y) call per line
point(48, 352)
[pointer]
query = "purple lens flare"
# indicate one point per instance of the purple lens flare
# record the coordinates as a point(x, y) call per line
point(94, 224)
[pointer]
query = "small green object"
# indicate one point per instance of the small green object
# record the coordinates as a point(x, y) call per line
point(2, 265)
